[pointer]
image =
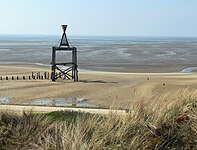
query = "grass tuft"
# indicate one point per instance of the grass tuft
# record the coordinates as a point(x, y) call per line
point(158, 123)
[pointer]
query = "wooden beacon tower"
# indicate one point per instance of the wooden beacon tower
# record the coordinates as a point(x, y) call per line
point(71, 71)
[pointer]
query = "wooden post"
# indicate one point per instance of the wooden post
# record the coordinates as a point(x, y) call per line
point(1, 78)
point(53, 64)
point(29, 77)
point(17, 78)
point(48, 75)
point(12, 77)
point(73, 61)
point(32, 74)
point(6, 77)
point(45, 75)
point(23, 77)
point(39, 75)
point(75, 65)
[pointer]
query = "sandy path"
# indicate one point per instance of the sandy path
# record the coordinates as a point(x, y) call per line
point(44, 109)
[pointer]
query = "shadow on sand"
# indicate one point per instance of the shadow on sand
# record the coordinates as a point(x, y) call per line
point(96, 81)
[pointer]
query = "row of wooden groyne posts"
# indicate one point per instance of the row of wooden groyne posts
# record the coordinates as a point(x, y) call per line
point(33, 76)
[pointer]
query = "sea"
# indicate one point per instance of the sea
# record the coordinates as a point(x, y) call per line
point(102, 52)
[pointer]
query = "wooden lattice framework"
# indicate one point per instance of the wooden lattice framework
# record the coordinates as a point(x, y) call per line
point(71, 71)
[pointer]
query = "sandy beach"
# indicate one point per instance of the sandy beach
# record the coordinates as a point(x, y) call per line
point(105, 89)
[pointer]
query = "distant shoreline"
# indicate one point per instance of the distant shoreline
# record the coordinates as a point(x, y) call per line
point(119, 68)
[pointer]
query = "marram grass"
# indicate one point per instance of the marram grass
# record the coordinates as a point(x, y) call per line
point(153, 124)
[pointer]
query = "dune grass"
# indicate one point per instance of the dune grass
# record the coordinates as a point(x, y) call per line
point(159, 123)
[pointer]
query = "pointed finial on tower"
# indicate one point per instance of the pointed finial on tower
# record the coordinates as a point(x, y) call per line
point(64, 40)
point(64, 27)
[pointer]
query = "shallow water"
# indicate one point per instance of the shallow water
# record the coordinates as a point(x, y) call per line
point(78, 102)
point(4, 100)
point(189, 70)
point(101, 52)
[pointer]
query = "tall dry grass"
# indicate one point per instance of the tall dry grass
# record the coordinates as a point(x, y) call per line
point(159, 123)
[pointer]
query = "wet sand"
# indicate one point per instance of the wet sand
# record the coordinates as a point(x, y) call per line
point(128, 68)
point(104, 89)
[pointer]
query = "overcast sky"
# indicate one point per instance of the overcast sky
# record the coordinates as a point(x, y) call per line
point(100, 17)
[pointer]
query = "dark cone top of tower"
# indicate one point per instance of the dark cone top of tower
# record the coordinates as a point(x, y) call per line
point(64, 27)
point(64, 40)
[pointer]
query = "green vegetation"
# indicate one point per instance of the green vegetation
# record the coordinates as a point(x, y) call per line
point(166, 125)
point(66, 116)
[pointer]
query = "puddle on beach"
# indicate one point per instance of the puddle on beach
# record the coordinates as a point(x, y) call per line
point(78, 102)
point(4, 100)
point(189, 70)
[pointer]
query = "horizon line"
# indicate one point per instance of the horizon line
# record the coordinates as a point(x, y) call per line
point(96, 35)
